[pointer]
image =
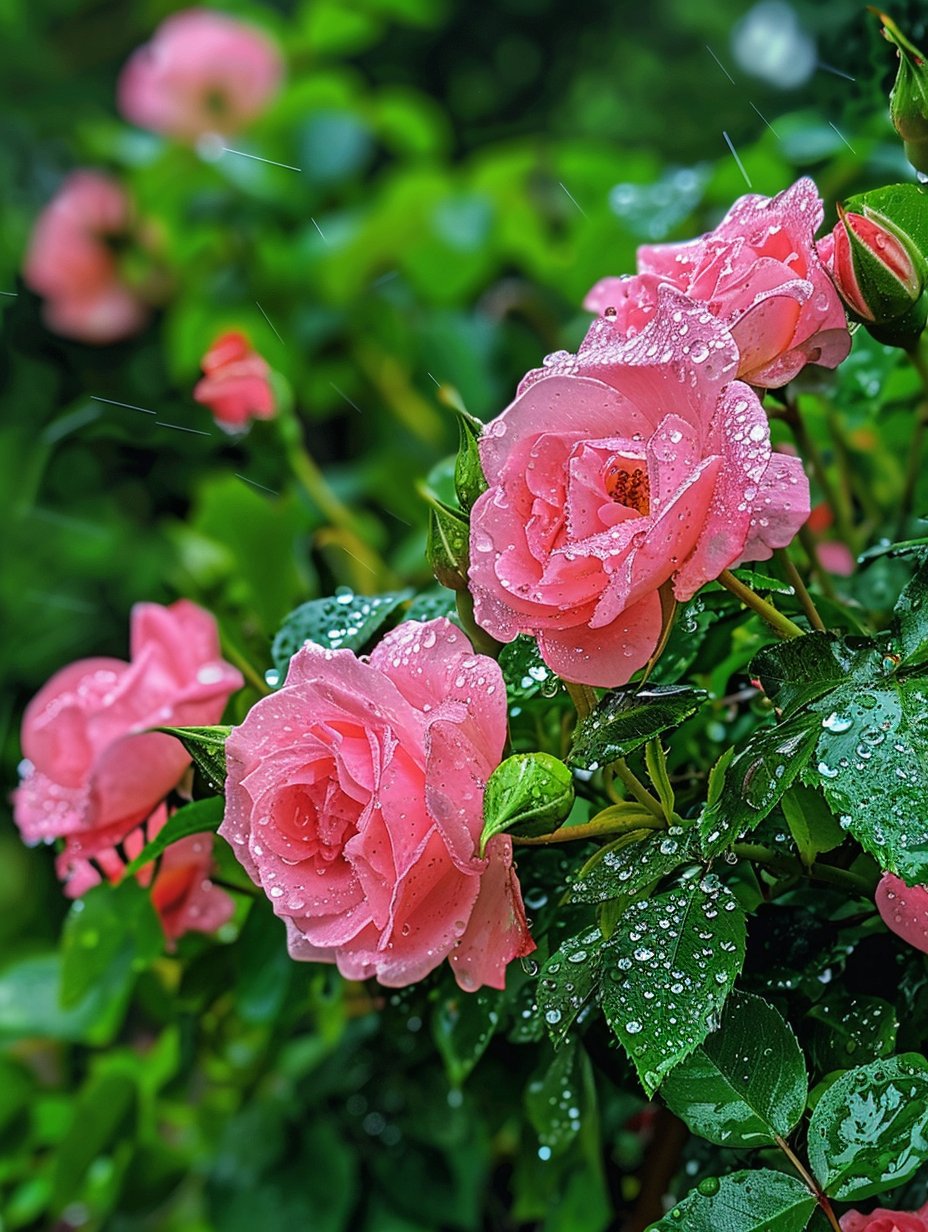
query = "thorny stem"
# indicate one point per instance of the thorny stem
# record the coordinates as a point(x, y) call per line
point(819, 872)
point(914, 467)
point(809, 1181)
point(638, 790)
point(592, 829)
point(795, 580)
point(782, 624)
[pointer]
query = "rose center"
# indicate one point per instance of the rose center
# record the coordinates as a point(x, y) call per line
point(628, 485)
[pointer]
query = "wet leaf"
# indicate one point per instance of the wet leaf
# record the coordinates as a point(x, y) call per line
point(669, 966)
point(525, 672)
point(448, 546)
point(568, 981)
point(869, 1131)
point(469, 479)
point(811, 822)
point(343, 621)
point(529, 794)
point(746, 1083)
point(194, 818)
point(553, 1097)
point(207, 747)
point(756, 1201)
point(797, 672)
point(630, 863)
point(112, 929)
point(911, 617)
point(462, 1026)
point(626, 719)
point(849, 1030)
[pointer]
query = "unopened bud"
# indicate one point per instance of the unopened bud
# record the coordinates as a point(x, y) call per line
point(908, 102)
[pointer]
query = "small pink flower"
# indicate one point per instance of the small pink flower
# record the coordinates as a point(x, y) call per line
point(636, 462)
point(71, 263)
point(182, 894)
point(93, 772)
point(203, 72)
point(882, 1220)
point(236, 387)
point(904, 909)
point(759, 273)
point(354, 798)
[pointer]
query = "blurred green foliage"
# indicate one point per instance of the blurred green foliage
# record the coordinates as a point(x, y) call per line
point(466, 173)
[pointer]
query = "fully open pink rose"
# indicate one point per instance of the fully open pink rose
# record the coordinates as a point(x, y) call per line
point(354, 798)
point(203, 72)
point(236, 387)
point(93, 773)
point(633, 463)
point(882, 1220)
point(759, 273)
point(71, 263)
point(904, 909)
point(182, 894)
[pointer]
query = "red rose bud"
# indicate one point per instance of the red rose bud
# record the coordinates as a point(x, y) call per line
point(908, 102)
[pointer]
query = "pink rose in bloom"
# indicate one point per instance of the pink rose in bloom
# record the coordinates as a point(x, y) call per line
point(354, 798)
point(93, 772)
point(71, 263)
point(203, 72)
point(882, 1220)
point(236, 387)
point(636, 462)
point(759, 273)
point(904, 909)
point(182, 894)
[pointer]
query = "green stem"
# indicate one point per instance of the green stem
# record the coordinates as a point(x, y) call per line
point(807, 539)
point(782, 624)
point(809, 1181)
point(592, 829)
point(583, 697)
point(810, 450)
point(794, 579)
point(481, 641)
point(782, 863)
point(638, 790)
point(234, 655)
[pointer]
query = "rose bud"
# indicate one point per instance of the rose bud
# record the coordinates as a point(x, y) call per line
point(879, 273)
point(908, 102)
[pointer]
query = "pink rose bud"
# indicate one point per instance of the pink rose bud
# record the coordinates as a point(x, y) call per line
point(879, 274)
point(236, 387)
point(70, 261)
point(93, 772)
point(904, 909)
point(354, 798)
point(203, 72)
point(882, 1220)
point(908, 103)
point(758, 272)
point(637, 462)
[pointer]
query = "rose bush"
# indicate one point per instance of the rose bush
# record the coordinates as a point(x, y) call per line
point(882, 1220)
point(354, 799)
point(203, 72)
point(236, 386)
point(759, 273)
point(93, 772)
point(636, 462)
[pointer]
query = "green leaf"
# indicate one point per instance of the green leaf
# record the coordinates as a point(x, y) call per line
point(102, 1116)
point(746, 1083)
point(869, 1131)
point(552, 1097)
point(630, 863)
point(462, 1025)
point(469, 479)
point(755, 779)
point(812, 824)
point(671, 962)
point(447, 548)
point(30, 1003)
point(207, 747)
point(850, 1030)
point(525, 672)
point(193, 818)
point(111, 929)
point(529, 793)
point(343, 621)
point(626, 719)
point(757, 1201)
point(911, 618)
point(797, 672)
point(568, 981)
point(433, 604)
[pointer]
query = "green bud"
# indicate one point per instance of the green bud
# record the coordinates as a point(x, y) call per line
point(469, 479)
point(908, 102)
point(448, 546)
point(530, 794)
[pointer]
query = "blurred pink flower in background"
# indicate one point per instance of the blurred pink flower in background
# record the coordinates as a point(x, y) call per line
point(93, 772)
point(759, 273)
point(202, 72)
point(70, 260)
point(236, 387)
point(882, 1220)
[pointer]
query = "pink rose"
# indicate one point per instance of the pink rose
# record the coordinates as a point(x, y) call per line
point(93, 773)
point(759, 273)
point(904, 909)
point(182, 894)
point(636, 462)
point(354, 798)
point(203, 72)
point(236, 387)
point(882, 1220)
point(70, 261)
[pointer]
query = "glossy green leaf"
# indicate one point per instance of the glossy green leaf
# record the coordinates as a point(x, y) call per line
point(553, 1097)
point(528, 793)
point(207, 747)
point(869, 1131)
point(30, 1003)
point(463, 1024)
point(344, 621)
point(569, 980)
point(911, 618)
point(448, 546)
point(525, 672)
point(668, 967)
point(630, 863)
point(850, 1030)
point(755, 1201)
point(194, 818)
point(746, 1083)
point(814, 827)
point(469, 479)
point(797, 672)
point(111, 929)
point(625, 719)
